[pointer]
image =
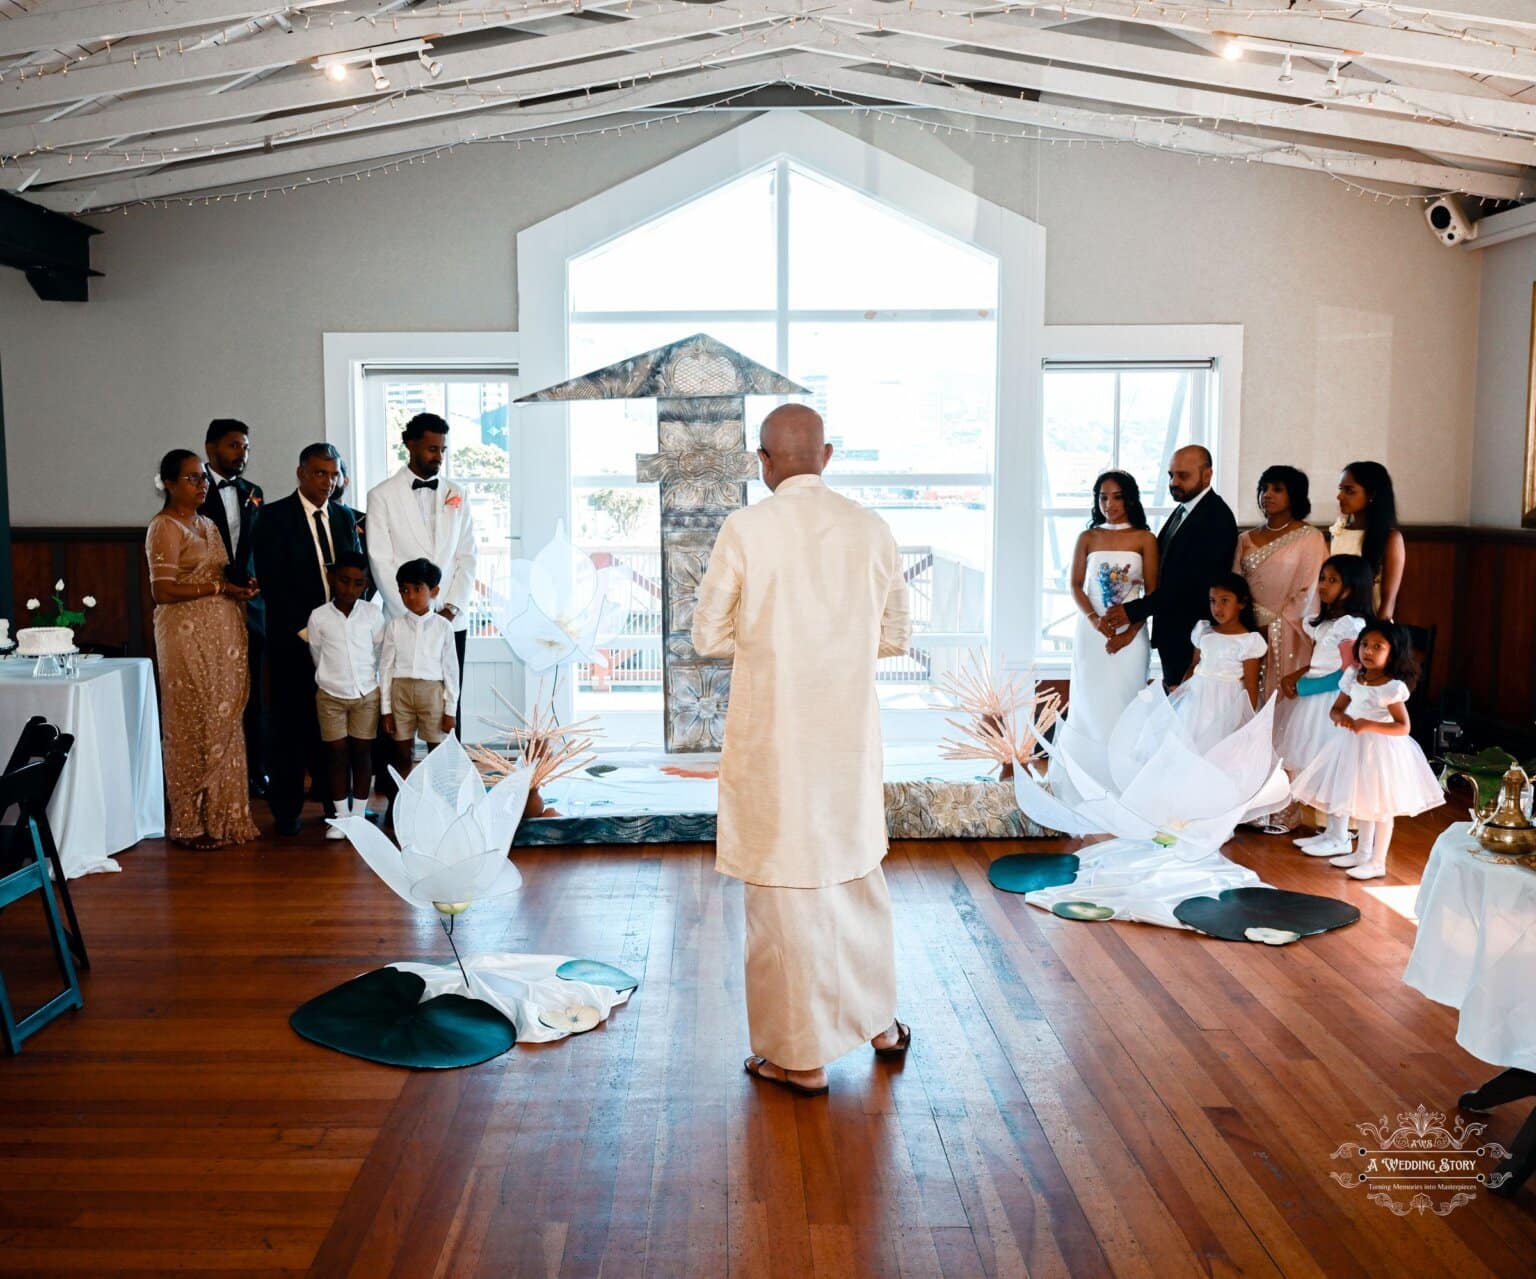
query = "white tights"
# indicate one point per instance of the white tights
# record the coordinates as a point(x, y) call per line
point(1374, 842)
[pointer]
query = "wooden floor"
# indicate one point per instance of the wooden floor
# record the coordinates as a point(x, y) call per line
point(1081, 1099)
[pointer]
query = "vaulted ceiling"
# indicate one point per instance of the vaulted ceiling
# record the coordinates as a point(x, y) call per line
point(109, 103)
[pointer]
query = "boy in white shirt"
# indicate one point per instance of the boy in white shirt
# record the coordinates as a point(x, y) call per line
point(418, 668)
point(345, 635)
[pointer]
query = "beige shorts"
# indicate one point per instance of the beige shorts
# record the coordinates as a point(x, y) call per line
point(418, 709)
point(347, 717)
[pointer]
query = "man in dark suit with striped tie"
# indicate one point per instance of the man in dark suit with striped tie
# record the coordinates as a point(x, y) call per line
point(297, 537)
point(1195, 546)
point(233, 504)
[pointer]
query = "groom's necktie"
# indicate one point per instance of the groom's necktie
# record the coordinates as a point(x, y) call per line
point(1172, 527)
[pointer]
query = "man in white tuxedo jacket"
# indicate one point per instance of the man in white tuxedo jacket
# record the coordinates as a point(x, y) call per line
point(418, 514)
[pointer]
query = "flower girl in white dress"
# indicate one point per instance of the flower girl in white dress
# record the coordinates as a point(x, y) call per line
point(1304, 717)
point(1370, 769)
point(1220, 693)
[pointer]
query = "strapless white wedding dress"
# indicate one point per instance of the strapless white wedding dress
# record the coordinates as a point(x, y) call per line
point(1103, 685)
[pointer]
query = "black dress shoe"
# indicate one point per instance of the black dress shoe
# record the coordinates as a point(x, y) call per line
point(288, 827)
point(258, 785)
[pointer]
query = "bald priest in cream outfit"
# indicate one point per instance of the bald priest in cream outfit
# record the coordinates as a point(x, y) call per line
point(806, 590)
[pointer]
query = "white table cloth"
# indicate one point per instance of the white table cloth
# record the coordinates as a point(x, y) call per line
point(1476, 948)
point(112, 792)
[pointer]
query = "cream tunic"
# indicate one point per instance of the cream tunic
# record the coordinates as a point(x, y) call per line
point(806, 589)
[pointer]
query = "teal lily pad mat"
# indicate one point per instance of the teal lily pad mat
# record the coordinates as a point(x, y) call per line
point(381, 1017)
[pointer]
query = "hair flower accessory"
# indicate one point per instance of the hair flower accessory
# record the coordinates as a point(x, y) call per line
point(159, 485)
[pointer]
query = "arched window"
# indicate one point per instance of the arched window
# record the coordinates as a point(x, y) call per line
point(880, 288)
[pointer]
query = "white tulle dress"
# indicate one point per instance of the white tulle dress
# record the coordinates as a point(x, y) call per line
point(1302, 724)
point(1213, 703)
point(1369, 776)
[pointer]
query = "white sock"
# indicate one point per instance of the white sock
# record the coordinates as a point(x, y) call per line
point(1337, 827)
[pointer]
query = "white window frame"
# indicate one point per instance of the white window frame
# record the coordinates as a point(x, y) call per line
point(545, 249)
point(1221, 344)
point(349, 359)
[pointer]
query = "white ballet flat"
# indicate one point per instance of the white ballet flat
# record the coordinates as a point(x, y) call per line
point(1329, 848)
point(1371, 870)
point(1346, 861)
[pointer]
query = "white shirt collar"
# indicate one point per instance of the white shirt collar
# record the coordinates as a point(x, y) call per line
point(310, 508)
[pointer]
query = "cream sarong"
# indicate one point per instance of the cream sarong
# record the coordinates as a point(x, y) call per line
point(821, 969)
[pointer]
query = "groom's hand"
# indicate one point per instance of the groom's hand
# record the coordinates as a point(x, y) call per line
point(1115, 618)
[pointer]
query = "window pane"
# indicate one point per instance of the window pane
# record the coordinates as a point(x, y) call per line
point(621, 526)
point(606, 435)
point(1154, 420)
point(848, 252)
point(476, 413)
point(917, 396)
point(403, 400)
point(945, 535)
point(1079, 435)
point(490, 505)
point(1058, 610)
point(730, 231)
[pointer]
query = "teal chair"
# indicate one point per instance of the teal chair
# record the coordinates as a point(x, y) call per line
point(30, 788)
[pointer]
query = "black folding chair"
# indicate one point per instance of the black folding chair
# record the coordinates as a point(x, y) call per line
point(30, 787)
point(38, 739)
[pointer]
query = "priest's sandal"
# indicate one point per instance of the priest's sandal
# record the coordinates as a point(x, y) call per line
point(903, 1042)
point(755, 1066)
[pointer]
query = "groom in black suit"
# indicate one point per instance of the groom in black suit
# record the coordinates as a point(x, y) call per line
point(297, 536)
point(233, 504)
point(1195, 547)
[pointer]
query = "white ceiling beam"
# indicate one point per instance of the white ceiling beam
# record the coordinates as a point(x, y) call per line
point(391, 112)
point(1174, 137)
point(1182, 100)
point(120, 75)
point(1511, 13)
point(251, 171)
point(1312, 28)
point(1194, 68)
point(56, 27)
point(196, 109)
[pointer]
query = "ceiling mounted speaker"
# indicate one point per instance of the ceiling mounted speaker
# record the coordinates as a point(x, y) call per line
point(1449, 221)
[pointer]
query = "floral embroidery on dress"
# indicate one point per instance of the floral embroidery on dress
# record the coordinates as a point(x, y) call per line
point(1115, 583)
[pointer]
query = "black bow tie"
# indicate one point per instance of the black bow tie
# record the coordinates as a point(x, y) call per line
point(424, 484)
point(225, 484)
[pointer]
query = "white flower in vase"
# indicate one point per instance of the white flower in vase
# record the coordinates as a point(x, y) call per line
point(34, 604)
point(59, 585)
point(90, 601)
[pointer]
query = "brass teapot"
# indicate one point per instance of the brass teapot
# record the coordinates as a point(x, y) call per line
point(1502, 827)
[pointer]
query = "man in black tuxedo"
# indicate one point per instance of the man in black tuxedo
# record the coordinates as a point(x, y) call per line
point(233, 504)
point(1195, 546)
point(297, 537)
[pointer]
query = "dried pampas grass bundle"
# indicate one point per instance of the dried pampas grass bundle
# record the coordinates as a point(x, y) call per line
point(1002, 722)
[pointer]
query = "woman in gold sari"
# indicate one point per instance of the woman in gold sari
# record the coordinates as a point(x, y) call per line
point(204, 677)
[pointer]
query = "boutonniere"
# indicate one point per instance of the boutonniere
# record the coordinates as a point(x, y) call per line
point(253, 500)
point(453, 501)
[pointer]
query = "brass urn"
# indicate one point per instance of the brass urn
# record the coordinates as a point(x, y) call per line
point(1507, 829)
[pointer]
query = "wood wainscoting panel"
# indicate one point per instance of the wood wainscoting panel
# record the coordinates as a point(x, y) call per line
point(106, 563)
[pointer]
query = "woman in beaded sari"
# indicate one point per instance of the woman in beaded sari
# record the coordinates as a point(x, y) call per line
point(204, 677)
point(1280, 561)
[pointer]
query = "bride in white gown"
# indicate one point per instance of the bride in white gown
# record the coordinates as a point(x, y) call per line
point(1115, 560)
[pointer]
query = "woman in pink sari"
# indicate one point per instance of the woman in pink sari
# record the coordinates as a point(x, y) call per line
point(1280, 561)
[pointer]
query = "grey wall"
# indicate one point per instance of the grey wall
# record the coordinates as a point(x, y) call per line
point(1503, 370)
point(1361, 330)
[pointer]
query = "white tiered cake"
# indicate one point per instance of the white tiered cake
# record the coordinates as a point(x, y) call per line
point(44, 641)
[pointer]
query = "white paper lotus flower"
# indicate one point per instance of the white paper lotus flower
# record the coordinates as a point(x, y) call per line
point(454, 834)
point(1170, 807)
point(560, 607)
point(1149, 783)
